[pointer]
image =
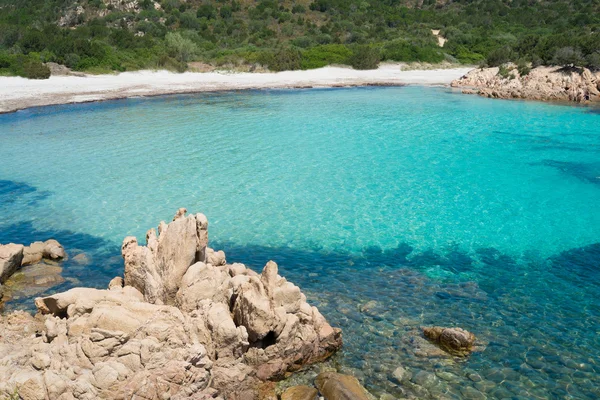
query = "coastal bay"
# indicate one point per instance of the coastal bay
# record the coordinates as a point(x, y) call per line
point(391, 208)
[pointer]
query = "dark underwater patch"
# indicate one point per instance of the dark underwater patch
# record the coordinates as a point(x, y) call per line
point(587, 172)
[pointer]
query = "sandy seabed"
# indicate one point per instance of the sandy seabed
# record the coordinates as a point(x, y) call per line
point(19, 93)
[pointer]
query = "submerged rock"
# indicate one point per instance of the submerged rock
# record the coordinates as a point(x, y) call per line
point(300, 393)
point(32, 280)
point(455, 341)
point(334, 386)
point(177, 326)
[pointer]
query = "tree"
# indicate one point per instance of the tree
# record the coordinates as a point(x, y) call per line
point(179, 47)
point(365, 57)
point(567, 56)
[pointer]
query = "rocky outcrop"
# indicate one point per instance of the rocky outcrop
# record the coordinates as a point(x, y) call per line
point(455, 341)
point(36, 251)
point(177, 326)
point(578, 85)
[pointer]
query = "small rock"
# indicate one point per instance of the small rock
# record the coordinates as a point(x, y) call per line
point(300, 393)
point(54, 250)
point(116, 283)
point(455, 341)
point(334, 386)
point(40, 361)
point(425, 379)
point(400, 374)
point(81, 259)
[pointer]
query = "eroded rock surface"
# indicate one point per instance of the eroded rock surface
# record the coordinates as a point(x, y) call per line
point(578, 85)
point(181, 324)
point(11, 256)
point(456, 341)
point(36, 251)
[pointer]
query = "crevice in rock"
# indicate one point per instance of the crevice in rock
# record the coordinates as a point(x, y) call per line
point(269, 340)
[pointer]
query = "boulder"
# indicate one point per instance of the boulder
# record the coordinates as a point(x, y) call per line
point(300, 393)
point(11, 256)
point(541, 83)
point(334, 386)
point(455, 341)
point(36, 251)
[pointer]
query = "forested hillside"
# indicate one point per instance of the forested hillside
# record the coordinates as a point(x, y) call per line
point(119, 35)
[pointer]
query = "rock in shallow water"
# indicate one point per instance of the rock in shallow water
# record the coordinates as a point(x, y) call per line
point(334, 386)
point(455, 341)
point(36, 251)
point(300, 393)
point(178, 326)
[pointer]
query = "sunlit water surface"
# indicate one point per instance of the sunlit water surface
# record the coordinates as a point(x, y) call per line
point(435, 207)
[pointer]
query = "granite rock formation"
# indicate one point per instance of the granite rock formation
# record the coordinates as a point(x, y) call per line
point(11, 256)
point(36, 251)
point(578, 85)
point(182, 323)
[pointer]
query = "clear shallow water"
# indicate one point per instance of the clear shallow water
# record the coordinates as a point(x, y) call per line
point(444, 209)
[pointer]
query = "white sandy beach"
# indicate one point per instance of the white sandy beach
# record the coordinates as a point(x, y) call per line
point(18, 93)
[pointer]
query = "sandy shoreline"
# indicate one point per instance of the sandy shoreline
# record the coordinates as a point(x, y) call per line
point(20, 93)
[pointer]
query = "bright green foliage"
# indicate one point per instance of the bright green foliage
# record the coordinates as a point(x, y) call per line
point(296, 33)
point(365, 57)
point(322, 55)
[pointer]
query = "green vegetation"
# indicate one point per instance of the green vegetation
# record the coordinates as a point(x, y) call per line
point(120, 35)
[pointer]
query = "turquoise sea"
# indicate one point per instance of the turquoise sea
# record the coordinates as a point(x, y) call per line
point(391, 208)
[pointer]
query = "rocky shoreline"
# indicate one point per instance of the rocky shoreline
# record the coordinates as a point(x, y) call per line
point(180, 323)
point(578, 85)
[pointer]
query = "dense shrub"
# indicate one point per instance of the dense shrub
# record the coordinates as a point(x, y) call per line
point(403, 51)
point(365, 57)
point(500, 56)
point(523, 67)
point(36, 70)
point(180, 48)
point(285, 59)
point(321, 56)
point(567, 56)
point(592, 61)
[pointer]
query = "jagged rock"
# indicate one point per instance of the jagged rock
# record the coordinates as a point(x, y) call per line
point(300, 393)
point(11, 256)
point(216, 258)
point(455, 341)
point(156, 270)
point(178, 326)
point(334, 386)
